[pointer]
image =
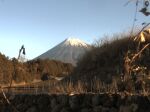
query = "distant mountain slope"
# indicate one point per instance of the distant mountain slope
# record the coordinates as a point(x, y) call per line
point(68, 51)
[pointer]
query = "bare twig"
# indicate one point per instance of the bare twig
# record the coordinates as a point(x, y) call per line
point(7, 100)
point(142, 30)
point(137, 54)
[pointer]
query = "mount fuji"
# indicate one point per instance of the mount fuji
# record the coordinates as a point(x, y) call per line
point(68, 51)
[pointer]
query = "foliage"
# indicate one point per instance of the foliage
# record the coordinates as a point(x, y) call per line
point(28, 71)
point(106, 60)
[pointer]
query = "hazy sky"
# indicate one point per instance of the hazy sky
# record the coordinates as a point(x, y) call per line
point(41, 24)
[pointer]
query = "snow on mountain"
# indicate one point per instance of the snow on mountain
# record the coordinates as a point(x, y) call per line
point(75, 42)
point(68, 51)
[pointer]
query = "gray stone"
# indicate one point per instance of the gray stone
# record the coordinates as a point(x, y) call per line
point(97, 109)
point(105, 109)
point(22, 107)
point(85, 110)
point(63, 100)
point(96, 100)
point(87, 101)
point(125, 108)
point(134, 107)
point(57, 108)
point(43, 102)
point(113, 109)
point(74, 102)
point(32, 109)
point(65, 109)
point(53, 102)
point(28, 100)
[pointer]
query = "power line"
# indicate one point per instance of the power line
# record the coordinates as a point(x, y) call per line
point(135, 16)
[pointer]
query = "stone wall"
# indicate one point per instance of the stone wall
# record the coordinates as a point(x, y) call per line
point(77, 103)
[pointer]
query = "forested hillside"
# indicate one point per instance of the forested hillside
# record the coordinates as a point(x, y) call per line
point(30, 70)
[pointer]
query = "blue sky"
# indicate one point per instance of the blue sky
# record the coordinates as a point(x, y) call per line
point(41, 24)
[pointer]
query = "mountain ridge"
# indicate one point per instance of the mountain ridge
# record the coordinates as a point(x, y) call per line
point(68, 51)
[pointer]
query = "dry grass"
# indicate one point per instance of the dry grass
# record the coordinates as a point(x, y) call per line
point(80, 87)
point(95, 86)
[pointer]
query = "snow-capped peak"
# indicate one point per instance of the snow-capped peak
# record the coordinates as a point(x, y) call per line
point(68, 51)
point(75, 42)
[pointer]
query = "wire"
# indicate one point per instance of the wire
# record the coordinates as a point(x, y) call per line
point(135, 17)
point(127, 2)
